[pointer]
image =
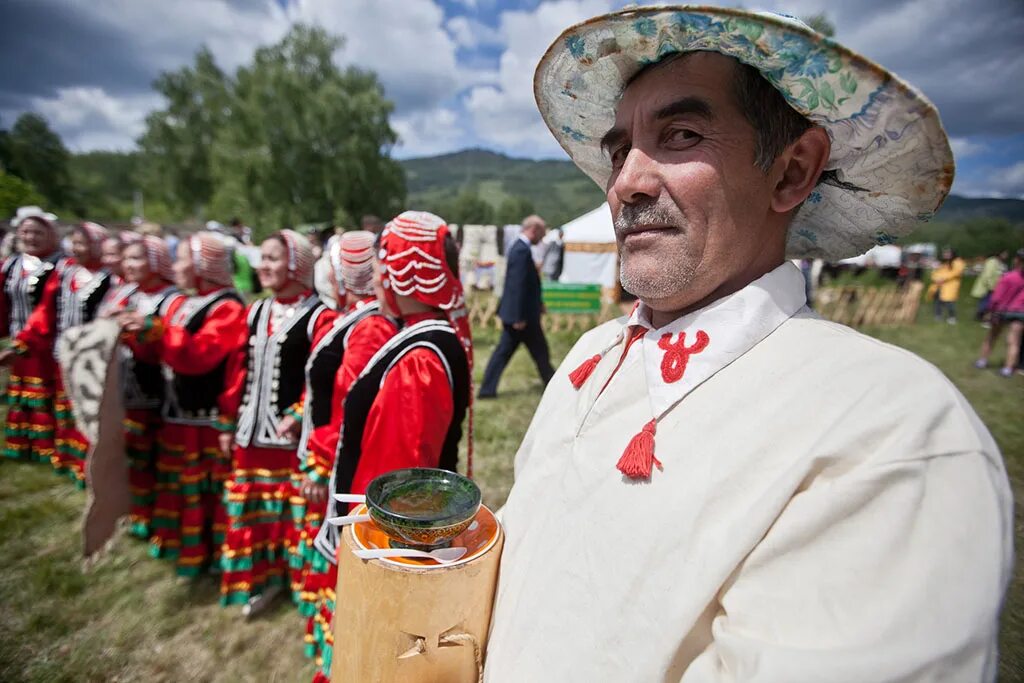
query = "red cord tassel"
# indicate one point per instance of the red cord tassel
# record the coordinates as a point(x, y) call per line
point(638, 459)
point(584, 371)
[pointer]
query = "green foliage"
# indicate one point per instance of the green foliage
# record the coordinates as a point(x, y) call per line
point(37, 155)
point(105, 183)
point(972, 237)
point(513, 210)
point(15, 192)
point(177, 141)
point(306, 141)
point(558, 190)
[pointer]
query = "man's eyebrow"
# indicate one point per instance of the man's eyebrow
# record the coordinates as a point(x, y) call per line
point(612, 138)
point(687, 105)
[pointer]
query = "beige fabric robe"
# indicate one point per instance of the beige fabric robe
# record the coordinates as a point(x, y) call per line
point(831, 510)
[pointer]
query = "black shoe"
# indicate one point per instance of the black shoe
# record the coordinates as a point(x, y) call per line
point(484, 397)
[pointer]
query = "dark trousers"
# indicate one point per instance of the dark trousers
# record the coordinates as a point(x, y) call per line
point(533, 336)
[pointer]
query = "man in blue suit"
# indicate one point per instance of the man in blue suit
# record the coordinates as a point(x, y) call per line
point(520, 310)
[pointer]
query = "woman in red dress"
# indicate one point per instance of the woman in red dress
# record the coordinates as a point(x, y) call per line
point(148, 290)
point(32, 382)
point(193, 340)
point(358, 332)
point(261, 422)
point(71, 297)
point(406, 407)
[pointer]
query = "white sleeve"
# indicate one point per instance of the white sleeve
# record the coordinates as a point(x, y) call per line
point(894, 573)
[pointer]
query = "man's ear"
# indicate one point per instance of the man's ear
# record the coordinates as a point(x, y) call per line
point(799, 168)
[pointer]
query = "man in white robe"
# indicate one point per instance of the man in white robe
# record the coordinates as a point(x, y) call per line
point(723, 486)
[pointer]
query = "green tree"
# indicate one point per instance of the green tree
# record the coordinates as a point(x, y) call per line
point(821, 23)
point(15, 192)
point(514, 210)
point(177, 141)
point(38, 156)
point(306, 139)
point(466, 209)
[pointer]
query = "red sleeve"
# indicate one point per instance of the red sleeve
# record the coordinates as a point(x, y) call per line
point(408, 420)
point(236, 352)
point(41, 327)
point(222, 332)
point(365, 339)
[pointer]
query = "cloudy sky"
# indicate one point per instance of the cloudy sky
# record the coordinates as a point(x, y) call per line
point(460, 71)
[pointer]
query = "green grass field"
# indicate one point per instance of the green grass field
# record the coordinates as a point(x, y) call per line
point(128, 618)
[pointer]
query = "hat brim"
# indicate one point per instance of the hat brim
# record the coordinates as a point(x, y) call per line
point(891, 158)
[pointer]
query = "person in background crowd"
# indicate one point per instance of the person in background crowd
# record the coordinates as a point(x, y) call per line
point(260, 422)
point(29, 427)
point(371, 223)
point(554, 254)
point(991, 271)
point(192, 339)
point(148, 290)
point(72, 297)
point(406, 407)
point(1007, 309)
point(945, 286)
point(323, 282)
point(243, 274)
point(359, 331)
point(111, 259)
point(520, 311)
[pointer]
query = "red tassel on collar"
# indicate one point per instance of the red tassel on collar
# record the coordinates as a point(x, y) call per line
point(580, 375)
point(638, 461)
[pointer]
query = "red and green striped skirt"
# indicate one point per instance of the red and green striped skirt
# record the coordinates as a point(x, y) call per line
point(257, 498)
point(141, 426)
point(319, 628)
point(307, 567)
point(188, 519)
point(30, 426)
point(72, 447)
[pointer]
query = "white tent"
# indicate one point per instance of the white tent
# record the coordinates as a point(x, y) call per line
point(590, 256)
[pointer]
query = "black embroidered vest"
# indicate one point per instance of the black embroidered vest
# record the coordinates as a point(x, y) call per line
point(321, 369)
point(439, 337)
point(23, 293)
point(275, 372)
point(192, 399)
point(143, 382)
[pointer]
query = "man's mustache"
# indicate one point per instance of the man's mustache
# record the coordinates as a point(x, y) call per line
point(647, 212)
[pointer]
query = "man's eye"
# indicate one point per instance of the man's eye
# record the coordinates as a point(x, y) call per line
point(681, 137)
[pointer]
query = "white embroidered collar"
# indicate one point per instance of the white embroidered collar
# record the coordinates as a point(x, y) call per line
point(680, 356)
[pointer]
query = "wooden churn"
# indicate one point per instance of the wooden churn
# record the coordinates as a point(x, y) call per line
point(405, 622)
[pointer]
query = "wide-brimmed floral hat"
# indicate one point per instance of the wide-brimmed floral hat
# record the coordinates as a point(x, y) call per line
point(891, 162)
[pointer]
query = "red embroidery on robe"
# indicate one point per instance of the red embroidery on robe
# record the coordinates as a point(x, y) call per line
point(677, 354)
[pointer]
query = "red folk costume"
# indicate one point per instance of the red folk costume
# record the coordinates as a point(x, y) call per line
point(265, 388)
point(336, 360)
point(406, 407)
point(193, 341)
point(143, 382)
point(71, 297)
point(31, 383)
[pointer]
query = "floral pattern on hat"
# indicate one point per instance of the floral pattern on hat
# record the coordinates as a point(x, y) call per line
point(891, 160)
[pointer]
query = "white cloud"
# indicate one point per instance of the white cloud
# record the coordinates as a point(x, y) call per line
point(429, 132)
point(505, 114)
point(89, 118)
point(471, 34)
point(964, 147)
point(1009, 181)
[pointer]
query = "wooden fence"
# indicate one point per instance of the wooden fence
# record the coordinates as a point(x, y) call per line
point(849, 305)
point(858, 306)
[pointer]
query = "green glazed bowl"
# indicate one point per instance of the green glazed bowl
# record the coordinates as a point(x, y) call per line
point(422, 508)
